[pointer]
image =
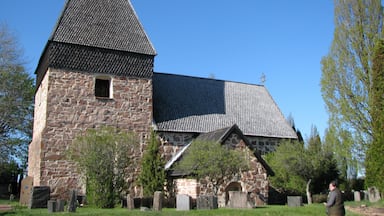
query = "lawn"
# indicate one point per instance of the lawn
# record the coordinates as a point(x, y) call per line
point(270, 210)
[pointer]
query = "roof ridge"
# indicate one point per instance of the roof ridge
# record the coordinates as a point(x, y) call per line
point(208, 78)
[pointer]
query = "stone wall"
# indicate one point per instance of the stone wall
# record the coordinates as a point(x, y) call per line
point(264, 144)
point(66, 106)
point(172, 142)
point(187, 186)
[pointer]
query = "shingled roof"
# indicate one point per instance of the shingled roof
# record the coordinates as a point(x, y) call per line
point(192, 104)
point(104, 24)
point(99, 36)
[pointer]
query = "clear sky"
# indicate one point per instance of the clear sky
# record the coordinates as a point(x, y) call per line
point(231, 40)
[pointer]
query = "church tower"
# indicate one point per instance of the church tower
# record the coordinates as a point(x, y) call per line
point(96, 69)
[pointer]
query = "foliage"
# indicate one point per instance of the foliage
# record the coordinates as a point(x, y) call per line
point(16, 100)
point(103, 156)
point(212, 160)
point(9, 172)
point(295, 165)
point(374, 158)
point(347, 74)
point(152, 176)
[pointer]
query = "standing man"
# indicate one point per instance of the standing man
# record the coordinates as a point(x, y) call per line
point(335, 204)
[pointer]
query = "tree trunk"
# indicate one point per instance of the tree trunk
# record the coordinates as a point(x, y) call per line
point(309, 196)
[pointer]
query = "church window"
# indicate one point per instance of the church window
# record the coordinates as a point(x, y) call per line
point(103, 87)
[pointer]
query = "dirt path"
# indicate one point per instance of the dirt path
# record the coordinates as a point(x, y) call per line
point(366, 211)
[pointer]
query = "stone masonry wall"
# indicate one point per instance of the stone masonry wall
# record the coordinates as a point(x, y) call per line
point(66, 107)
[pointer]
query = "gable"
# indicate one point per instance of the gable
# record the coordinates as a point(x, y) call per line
point(231, 136)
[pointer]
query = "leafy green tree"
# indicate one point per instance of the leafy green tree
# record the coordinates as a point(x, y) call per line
point(346, 155)
point(346, 70)
point(212, 161)
point(297, 168)
point(104, 157)
point(375, 160)
point(152, 176)
point(16, 100)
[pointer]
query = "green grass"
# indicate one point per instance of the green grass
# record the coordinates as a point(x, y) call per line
point(270, 210)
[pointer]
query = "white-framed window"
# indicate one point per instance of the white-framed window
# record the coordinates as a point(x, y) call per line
point(103, 87)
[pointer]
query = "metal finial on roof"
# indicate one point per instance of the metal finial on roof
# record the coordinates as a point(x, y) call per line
point(263, 79)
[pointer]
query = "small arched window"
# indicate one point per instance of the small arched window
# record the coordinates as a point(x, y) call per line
point(103, 87)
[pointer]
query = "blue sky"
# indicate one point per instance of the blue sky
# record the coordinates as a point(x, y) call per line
point(231, 40)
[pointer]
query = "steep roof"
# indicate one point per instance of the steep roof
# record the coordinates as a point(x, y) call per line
point(192, 104)
point(98, 36)
point(103, 24)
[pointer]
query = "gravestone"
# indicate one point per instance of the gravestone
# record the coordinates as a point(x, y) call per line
point(238, 199)
point(39, 197)
point(183, 202)
point(60, 205)
point(72, 201)
point(26, 191)
point(357, 196)
point(158, 201)
point(374, 194)
point(207, 202)
point(51, 206)
point(295, 201)
point(130, 202)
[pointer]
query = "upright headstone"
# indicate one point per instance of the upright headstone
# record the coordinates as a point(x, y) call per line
point(357, 196)
point(26, 191)
point(51, 206)
point(60, 205)
point(295, 201)
point(130, 202)
point(39, 197)
point(183, 202)
point(238, 199)
point(158, 201)
point(207, 202)
point(374, 194)
point(72, 201)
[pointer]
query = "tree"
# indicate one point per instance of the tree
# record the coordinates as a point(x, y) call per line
point(299, 170)
point(212, 160)
point(374, 158)
point(346, 70)
point(152, 176)
point(16, 100)
point(104, 157)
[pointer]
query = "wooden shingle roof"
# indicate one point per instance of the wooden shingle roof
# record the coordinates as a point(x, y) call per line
point(98, 36)
point(192, 104)
point(103, 24)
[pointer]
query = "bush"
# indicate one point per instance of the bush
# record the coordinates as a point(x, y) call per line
point(319, 198)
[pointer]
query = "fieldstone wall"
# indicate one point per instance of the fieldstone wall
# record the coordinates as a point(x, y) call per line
point(264, 144)
point(172, 142)
point(66, 106)
point(187, 186)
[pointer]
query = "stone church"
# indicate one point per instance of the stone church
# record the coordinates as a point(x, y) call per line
point(97, 69)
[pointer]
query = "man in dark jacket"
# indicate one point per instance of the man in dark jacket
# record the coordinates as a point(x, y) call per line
point(335, 203)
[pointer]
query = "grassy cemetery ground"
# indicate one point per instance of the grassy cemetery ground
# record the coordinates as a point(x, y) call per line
point(270, 210)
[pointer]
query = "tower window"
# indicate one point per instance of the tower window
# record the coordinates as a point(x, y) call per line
point(103, 87)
